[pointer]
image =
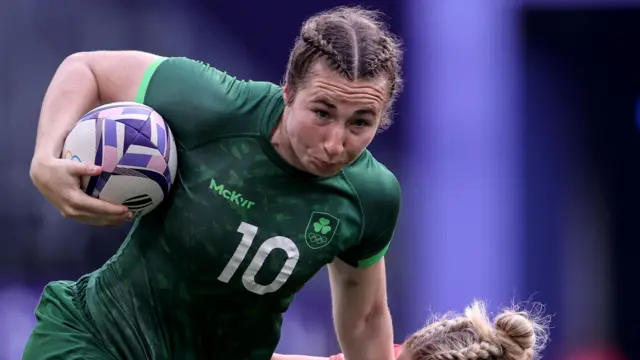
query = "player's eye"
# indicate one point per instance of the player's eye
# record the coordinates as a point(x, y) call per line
point(361, 123)
point(322, 114)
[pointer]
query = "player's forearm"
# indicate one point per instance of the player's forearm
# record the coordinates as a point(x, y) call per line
point(72, 92)
point(360, 311)
point(367, 338)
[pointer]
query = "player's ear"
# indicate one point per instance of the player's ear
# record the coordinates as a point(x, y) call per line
point(286, 93)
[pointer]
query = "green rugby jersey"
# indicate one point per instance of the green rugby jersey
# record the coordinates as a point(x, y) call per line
point(212, 269)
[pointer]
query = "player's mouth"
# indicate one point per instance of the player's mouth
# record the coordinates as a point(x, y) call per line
point(324, 165)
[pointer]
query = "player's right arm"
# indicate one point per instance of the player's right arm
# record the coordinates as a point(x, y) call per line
point(82, 82)
point(198, 102)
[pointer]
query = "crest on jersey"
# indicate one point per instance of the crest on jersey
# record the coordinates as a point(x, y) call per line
point(320, 229)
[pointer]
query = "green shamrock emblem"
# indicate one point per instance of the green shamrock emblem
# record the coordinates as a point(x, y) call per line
point(322, 226)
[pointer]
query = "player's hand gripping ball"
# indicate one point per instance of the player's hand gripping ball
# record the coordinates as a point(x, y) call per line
point(135, 149)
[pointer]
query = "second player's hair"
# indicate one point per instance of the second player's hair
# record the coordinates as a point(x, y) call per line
point(513, 335)
point(355, 43)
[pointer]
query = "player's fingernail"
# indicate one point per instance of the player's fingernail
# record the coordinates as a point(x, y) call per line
point(93, 169)
point(129, 216)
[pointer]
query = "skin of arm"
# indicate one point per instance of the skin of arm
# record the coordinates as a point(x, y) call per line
point(90, 79)
point(82, 82)
point(361, 315)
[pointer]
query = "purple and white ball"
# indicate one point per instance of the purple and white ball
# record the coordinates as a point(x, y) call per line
point(136, 150)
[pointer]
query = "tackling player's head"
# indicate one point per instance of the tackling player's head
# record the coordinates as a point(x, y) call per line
point(514, 335)
point(342, 79)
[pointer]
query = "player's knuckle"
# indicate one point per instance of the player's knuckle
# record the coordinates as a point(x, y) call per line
point(68, 212)
point(73, 203)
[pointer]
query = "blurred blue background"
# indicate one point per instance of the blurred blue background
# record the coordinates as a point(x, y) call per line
point(516, 143)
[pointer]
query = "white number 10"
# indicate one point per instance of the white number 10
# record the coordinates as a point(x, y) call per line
point(249, 232)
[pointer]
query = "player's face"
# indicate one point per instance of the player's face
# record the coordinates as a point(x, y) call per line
point(332, 120)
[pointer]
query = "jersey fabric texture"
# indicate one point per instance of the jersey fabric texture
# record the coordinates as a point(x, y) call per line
point(210, 271)
point(396, 351)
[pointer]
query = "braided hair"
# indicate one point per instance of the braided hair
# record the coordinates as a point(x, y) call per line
point(514, 335)
point(353, 42)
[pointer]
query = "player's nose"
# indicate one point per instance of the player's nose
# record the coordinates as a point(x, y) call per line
point(334, 142)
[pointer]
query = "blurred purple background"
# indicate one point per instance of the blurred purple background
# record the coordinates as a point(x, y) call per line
point(516, 144)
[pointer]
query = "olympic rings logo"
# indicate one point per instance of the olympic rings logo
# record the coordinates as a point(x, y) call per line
point(317, 239)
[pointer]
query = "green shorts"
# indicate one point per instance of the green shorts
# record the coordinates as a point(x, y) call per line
point(62, 331)
point(65, 332)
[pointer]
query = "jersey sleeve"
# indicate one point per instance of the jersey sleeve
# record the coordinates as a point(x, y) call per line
point(200, 102)
point(379, 194)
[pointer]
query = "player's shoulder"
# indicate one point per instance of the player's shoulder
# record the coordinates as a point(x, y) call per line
point(216, 103)
point(197, 71)
point(373, 181)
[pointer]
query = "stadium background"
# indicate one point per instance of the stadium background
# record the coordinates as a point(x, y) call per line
point(515, 141)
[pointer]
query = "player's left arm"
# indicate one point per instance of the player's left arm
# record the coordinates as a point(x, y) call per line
point(361, 315)
point(357, 276)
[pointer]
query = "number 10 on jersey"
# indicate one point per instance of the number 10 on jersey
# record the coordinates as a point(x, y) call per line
point(249, 232)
